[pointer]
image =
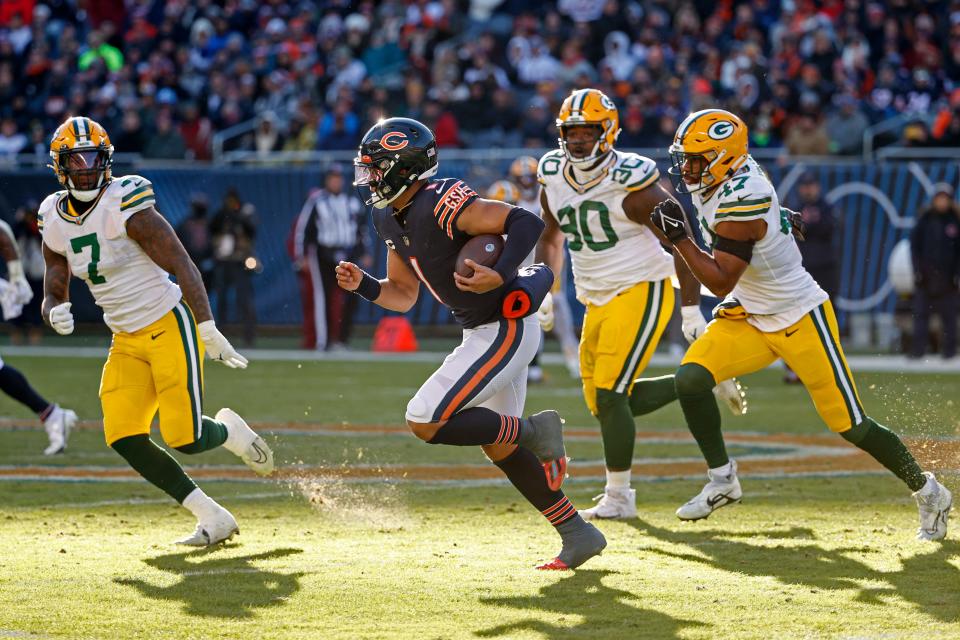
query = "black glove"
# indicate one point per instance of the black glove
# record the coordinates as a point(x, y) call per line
point(796, 224)
point(668, 217)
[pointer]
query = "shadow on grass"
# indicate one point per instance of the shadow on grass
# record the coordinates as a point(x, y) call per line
point(606, 612)
point(210, 585)
point(927, 580)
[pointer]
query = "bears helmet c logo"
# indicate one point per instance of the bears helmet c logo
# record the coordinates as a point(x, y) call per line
point(387, 141)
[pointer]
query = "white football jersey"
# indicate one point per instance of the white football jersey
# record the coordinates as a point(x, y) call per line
point(775, 289)
point(608, 251)
point(130, 288)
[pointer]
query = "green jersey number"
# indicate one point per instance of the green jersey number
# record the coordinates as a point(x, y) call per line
point(575, 224)
point(785, 227)
point(740, 182)
point(89, 240)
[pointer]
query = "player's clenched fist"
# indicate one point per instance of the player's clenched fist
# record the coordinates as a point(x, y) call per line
point(349, 275)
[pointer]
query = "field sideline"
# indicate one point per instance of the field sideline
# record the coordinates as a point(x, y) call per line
point(368, 533)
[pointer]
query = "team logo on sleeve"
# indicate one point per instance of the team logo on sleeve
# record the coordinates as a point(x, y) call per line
point(394, 141)
point(721, 130)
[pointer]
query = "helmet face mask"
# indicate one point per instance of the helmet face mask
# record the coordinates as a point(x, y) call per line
point(584, 147)
point(394, 154)
point(84, 169)
point(690, 172)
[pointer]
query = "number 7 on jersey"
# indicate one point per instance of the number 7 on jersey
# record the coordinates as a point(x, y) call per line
point(89, 240)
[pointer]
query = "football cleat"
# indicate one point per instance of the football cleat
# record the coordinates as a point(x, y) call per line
point(616, 503)
point(934, 509)
point(719, 492)
point(219, 528)
point(730, 393)
point(244, 442)
point(543, 435)
point(58, 425)
point(578, 547)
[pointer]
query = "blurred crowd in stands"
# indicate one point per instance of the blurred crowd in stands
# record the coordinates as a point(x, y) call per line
point(165, 75)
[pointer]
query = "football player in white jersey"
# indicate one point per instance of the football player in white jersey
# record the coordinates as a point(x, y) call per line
point(599, 201)
point(15, 292)
point(107, 232)
point(772, 309)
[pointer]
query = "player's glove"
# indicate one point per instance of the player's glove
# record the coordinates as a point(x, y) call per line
point(545, 313)
point(8, 301)
point(218, 347)
point(60, 318)
point(24, 292)
point(668, 217)
point(797, 225)
point(694, 324)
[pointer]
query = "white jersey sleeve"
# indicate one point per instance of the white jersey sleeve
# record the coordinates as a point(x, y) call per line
point(136, 194)
point(745, 197)
point(50, 232)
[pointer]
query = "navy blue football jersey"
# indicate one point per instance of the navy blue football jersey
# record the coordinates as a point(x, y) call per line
point(425, 235)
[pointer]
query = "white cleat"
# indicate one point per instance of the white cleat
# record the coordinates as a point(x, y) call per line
point(719, 492)
point(731, 394)
point(244, 442)
point(934, 506)
point(219, 528)
point(616, 503)
point(58, 425)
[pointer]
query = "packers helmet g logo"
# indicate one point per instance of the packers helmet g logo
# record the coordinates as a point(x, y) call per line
point(721, 130)
point(387, 141)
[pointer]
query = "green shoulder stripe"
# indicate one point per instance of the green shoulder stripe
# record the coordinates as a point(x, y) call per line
point(744, 203)
point(741, 214)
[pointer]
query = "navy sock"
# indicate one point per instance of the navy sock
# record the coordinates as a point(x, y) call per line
point(526, 473)
point(15, 385)
point(478, 426)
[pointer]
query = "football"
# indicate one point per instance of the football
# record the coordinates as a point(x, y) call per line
point(484, 250)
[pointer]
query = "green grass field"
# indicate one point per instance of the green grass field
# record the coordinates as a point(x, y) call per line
point(370, 534)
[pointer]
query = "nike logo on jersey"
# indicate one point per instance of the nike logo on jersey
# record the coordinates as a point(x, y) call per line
point(790, 333)
point(156, 335)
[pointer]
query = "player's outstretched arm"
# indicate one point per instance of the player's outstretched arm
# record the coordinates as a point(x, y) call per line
point(159, 241)
point(8, 244)
point(55, 308)
point(398, 291)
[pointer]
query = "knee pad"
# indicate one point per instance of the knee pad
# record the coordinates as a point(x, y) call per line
point(692, 379)
point(418, 410)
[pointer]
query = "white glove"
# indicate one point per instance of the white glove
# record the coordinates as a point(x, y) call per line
point(24, 292)
point(61, 319)
point(545, 313)
point(218, 347)
point(694, 323)
point(730, 393)
point(8, 300)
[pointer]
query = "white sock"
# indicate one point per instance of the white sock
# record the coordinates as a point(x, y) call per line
point(928, 489)
point(724, 471)
point(200, 504)
point(618, 479)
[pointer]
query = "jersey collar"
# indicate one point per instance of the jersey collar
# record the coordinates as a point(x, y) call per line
point(592, 178)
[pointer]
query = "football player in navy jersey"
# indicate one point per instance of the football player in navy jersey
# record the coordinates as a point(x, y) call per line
point(476, 397)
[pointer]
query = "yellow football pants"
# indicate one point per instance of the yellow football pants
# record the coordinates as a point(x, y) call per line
point(159, 366)
point(619, 338)
point(811, 347)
